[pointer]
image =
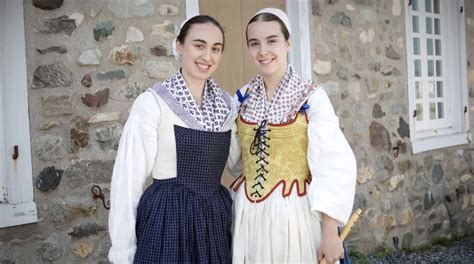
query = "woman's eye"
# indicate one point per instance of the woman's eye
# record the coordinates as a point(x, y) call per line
point(199, 46)
point(253, 44)
point(272, 41)
point(217, 50)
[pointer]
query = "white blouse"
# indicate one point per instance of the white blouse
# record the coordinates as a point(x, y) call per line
point(145, 135)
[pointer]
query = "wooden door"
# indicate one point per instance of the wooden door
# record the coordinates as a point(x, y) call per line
point(236, 67)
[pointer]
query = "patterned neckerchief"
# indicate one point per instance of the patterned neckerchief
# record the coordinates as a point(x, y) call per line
point(292, 92)
point(214, 111)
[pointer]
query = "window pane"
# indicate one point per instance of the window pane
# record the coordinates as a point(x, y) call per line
point(439, 87)
point(416, 26)
point(414, 5)
point(429, 46)
point(438, 47)
point(432, 110)
point(417, 68)
point(419, 112)
point(418, 92)
point(428, 6)
point(438, 68)
point(430, 68)
point(416, 46)
point(431, 89)
point(440, 110)
point(436, 6)
point(437, 26)
point(429, 25)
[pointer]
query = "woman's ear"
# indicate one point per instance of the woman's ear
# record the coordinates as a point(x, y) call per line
point(179, 47)
point(288, 44)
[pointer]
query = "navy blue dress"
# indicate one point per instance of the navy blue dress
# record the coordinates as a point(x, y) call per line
point(188, 219)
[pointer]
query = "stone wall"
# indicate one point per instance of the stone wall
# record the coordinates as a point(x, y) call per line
point(359, 56)
point(89, 59)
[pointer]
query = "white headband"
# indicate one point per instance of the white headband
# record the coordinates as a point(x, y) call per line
point(175, 52)
point(280, 14)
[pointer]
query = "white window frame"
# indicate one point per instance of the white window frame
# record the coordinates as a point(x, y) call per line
point(298, 13)
point(456, 130)
point(16, 182)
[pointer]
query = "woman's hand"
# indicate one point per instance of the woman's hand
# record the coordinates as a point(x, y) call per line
point(331, 245)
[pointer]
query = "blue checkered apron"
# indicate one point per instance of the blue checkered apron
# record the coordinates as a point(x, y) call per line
point(188, 219)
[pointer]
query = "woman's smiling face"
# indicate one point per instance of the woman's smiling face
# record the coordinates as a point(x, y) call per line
point(268, 47)
point(201, 51)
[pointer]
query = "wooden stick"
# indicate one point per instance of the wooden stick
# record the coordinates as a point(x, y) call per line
point(347, 228)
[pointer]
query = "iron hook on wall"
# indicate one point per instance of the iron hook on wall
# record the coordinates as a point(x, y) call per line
point(97, 193)
point(397, 148)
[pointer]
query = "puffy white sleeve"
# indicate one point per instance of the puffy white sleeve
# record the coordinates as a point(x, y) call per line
point(234, 162)
point(133, 164)
point(331, 161)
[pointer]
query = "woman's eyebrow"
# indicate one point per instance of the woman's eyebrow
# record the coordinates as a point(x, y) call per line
point(204, 42)
point(269, 37)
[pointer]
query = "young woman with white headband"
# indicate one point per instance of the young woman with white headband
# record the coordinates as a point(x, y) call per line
point(298, 178)
point(178, 132)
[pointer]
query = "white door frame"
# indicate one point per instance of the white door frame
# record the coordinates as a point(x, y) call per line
point(16, 185)
point(298, 13)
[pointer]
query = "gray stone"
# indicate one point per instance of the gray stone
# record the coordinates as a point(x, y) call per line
point(51, 76)
point(407, 241)
point(90, 57)
point(428, 162)
point(396, 181)
point(62, 24)
point(159, 69)
point(403, 128)
point(379, 137)
point(133, 89)
point(404, 165)
point(86, 229)
point(49, 179)
point(428, 201)
point(104, 117)
point(340, 18)
point(316, 8)
point(357, 128)
point(165, 30)
point(50, 251)
point(103, 30)
point(377, 111)
point(437, 173)
point(435, 227)
point(342, 73)
point(111, 75)
point(391, 53)
point(56, 105)
point(58, 212)
point(80, 172)
point(48, 4)
point(57, 49)
point(345, 53)
point(322, 67)
point(398, 108)
point(49, 147)
point(97, 99)
point(331, 88)
point(168, 10)
point(134, 35)
point(384, 163)
point(130, 8)
point(374, 66)
point(372, 86)
point(108, 137)
point(367, 16)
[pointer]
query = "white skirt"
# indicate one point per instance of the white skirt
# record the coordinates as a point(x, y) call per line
point(276, 230)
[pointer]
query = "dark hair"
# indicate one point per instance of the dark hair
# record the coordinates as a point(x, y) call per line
point(268, 17)
point(199, 19)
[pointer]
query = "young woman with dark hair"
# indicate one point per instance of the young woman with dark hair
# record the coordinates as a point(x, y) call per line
point(178, 132)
